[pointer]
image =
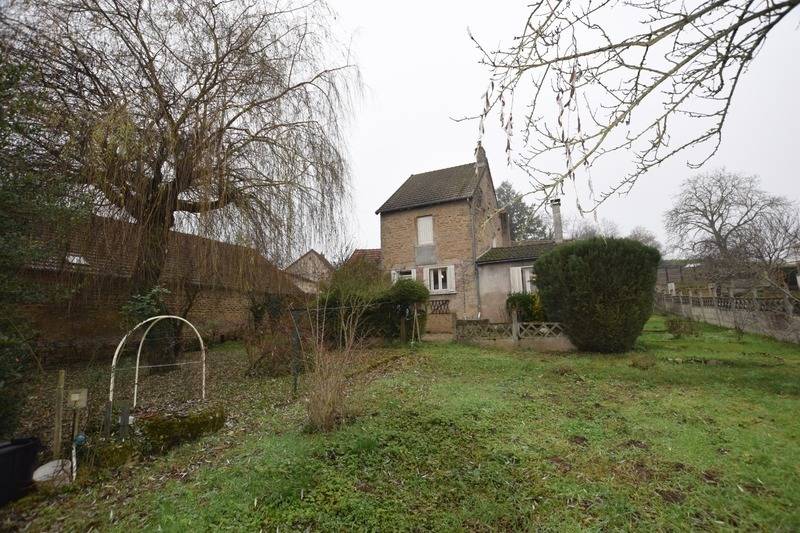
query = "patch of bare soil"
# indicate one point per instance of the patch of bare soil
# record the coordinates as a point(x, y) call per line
point(671, 496)
point(579, 440)
point(633, 443)
point(560, 463)
point(711, 477)
point(634, 472)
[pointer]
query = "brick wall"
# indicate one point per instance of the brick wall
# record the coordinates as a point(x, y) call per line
point(90, 323)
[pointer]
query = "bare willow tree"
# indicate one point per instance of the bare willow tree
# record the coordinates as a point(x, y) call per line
point(736, 229)
point(222, 117)
point(604, 76)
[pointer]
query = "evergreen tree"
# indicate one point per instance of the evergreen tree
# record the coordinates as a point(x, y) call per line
point(526, 222)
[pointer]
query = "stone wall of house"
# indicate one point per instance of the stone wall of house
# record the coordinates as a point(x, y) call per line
point(455, 226)
point(89, 325)
point(452, 246)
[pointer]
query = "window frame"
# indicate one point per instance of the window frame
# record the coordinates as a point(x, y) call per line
point(419, 233)
point(527, 283)
point(442, 272)
point(396, 274)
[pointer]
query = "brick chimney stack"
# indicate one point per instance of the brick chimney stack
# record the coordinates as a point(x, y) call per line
point(480, 158)
point(558, 231)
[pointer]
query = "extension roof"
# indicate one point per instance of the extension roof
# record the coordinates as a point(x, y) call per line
point(434, 187)
point(521, 251)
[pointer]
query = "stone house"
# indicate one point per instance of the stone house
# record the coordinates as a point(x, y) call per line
point(309, 271)
point(444, 228)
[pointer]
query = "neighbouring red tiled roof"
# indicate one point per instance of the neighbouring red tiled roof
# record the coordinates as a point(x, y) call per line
point(434, 187)
point(372, 255)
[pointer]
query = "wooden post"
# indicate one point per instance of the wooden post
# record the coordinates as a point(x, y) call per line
point(59, 418)
point(124, 421)
point(514, 326)
point(403, 335)
point(296, 348)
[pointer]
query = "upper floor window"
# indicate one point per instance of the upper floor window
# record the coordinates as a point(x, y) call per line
point(424, 230)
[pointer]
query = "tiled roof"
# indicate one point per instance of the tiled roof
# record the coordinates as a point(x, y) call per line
point(373, 255)
point(291, 268)
point(435, 187)
point(521, 251)
point(108, 248)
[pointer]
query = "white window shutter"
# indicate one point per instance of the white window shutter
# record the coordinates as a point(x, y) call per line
point(426, 277)
point(516, 279)
point(414, 273)
point(451, 278)
point(425, 230)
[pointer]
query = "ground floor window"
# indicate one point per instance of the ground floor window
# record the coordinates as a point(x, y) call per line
point(523, 279)
point(528, 280)
point(441, 279)
point(403, 274)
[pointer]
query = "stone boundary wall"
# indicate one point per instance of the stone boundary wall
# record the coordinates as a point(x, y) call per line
point(773, 317)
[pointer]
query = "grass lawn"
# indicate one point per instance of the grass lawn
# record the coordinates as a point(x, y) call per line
point(461, 438)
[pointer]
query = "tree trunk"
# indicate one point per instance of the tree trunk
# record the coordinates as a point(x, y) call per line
point(162, 343)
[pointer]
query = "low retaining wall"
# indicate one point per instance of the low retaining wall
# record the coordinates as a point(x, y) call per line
point(538, 336)
point(762, 316)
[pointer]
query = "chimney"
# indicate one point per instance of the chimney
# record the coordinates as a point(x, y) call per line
point(558, 232)
point(480, 158)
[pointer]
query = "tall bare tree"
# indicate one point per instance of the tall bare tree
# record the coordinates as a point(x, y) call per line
point(645, 236)
point(714, 213)
point(219, 116)
point(602, 76)
point(735, 228)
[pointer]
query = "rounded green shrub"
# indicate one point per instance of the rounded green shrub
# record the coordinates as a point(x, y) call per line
point(601, 290)
point(529, 307)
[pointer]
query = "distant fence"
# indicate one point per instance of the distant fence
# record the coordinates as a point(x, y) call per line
point(544, 336)
point(775, 317)
point(775, 305)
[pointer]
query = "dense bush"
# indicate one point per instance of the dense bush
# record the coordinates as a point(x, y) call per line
point(601, 290)
point(528, 306)
point(363, 286)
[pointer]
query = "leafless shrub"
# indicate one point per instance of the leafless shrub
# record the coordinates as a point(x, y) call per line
point(268, 353)
point(331, 364)
point(327, 388)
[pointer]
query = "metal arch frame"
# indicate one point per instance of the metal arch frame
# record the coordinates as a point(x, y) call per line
point(153, 320)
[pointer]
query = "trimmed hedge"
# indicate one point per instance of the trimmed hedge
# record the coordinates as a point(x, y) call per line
point(601, 290)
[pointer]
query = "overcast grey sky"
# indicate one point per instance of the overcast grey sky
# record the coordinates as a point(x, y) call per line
point(419, 69)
